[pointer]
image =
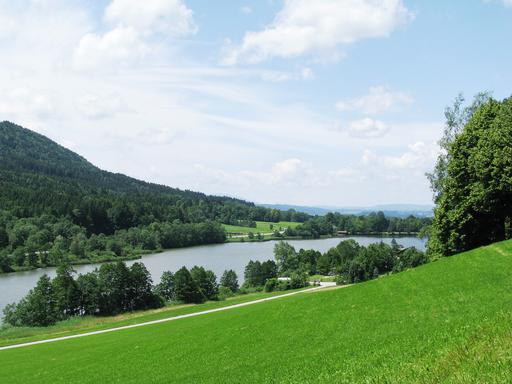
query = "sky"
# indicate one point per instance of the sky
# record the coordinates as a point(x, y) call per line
point(325, 102)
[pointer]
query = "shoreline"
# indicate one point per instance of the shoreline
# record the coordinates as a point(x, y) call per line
point(139, 254)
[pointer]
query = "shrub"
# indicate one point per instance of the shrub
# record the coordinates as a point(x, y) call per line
point(225, 292)
point(271, 285)
point(298, 280)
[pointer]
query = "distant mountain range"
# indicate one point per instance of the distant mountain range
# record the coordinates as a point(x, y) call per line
point(391, 210)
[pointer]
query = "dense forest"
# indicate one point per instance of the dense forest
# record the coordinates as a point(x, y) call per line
point(41, 177)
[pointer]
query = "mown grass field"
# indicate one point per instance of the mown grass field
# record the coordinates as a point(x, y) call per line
point(261, 227)
point(448, 321)
point(16, 335)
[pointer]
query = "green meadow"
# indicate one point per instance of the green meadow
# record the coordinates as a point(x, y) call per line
point(444, 322)
point(261, 227)
point(16, 335)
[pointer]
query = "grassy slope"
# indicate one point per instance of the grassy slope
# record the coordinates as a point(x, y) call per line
point(16, 335)
point(261, 226)
point(447, 321)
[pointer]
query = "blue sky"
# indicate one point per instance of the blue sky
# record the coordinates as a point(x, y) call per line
point(325, 102)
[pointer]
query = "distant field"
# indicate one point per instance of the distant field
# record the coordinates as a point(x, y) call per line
point(322, 278)
point(444, 322)
point(261, 226)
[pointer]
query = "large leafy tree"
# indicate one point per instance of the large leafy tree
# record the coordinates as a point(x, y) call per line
point(472, 182)
point(67, 292)
point(207, 282)
point(229, 280)
point(185, 287)
point(166, 286)
point(38, 308)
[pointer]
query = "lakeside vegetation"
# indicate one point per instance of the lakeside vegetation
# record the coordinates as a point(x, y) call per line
point(115, 288)
point(346, 263)
point(401, 328)
point(332, 224)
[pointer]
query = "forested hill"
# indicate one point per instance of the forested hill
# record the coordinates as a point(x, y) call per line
point(38, 176)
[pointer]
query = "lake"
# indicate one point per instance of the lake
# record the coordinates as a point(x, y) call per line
point(217, 257)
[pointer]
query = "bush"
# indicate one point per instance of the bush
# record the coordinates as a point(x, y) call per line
point(271, 285)
point(298, 280)
point(341, 280)
point(245, 289)
point(225, 292)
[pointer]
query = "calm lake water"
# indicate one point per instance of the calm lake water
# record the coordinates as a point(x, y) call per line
point(217, 257)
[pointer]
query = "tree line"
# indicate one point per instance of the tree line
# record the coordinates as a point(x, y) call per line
point(47, 240)
point(349, 262)
point(114, 288)
point(373, 223)
point(264, 276)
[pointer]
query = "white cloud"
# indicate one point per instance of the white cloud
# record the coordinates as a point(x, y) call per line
point(288, 173)
point(507, 3)
point(94, 106)
point(419, 156)
point(307, 73)
point(149, 16)
point(120, 46)
point(275, 76)
point(171, 108)
point(280, 76)
point(367, 127)
point(304, 26)
point(378, 99)
point(7, 26)
point(246, 10)
point(23, 100)
point(134, 24)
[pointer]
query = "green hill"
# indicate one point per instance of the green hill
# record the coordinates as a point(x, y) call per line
point(57, 207)
point(39, 176)
point(447, 321)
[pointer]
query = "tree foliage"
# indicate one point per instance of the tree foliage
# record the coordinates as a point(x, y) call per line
point(186, 288)
point(474, 191)
point(229, 280)
point(111, 289)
